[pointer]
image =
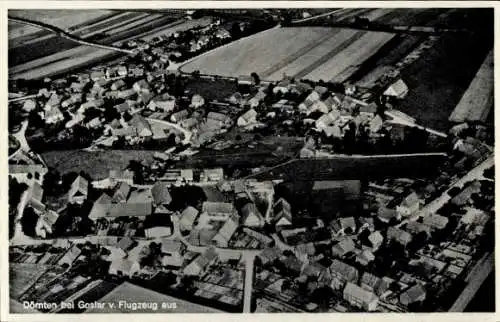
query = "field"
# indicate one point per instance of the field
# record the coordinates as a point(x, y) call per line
point(304, 52)
point(477, 101)
point(80, 56)
point(438, 80)
point(97, 164)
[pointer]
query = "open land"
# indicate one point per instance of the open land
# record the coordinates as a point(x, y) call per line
point(97, 164)
point(301, 48)
point(434, 92)
point(478, 99)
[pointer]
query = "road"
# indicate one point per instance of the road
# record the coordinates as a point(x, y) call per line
point(475, 279)
point(319, 16)
point(436, 204)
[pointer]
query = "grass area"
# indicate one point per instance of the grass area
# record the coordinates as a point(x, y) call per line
point(97, 164)
point(219, 89)
point(23, 275)
point(438, 80)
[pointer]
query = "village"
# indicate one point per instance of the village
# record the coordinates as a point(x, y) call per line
point(200, 224)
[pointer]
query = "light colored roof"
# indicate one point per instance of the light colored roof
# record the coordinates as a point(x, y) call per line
point(344, 246)
point(398, 88)
point(413, 294)
point(249, 115)
point(189, 215)
point(79, 185)
point(435, 220)
point(399, 235)
point(141, 195)
point(121, 174)
point(250, 210)
point(122, 192)
point(161, 194)
point(347, 271)
point(218, 207)
point(359, 293)
point(229, 228)
point(171, 246)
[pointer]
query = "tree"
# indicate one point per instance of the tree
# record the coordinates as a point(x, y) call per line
point(235, 30)
point(29, 221)
point(256, 78)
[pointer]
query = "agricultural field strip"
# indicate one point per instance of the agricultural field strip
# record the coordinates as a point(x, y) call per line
point(474, 104)
point(146, 19)
point(81, 54)
point(296, 55)
point(107, 24)
point(256, 53)
point(353, 55)
point(353, 36)
point(62, 21)
point(316, 53)
point(45, 34)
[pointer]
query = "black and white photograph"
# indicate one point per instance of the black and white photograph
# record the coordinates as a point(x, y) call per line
point(250, 160)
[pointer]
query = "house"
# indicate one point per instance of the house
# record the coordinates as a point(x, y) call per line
point(282, 213)
point(27, 173)
point(29, 105)
point(119, 84)
point(198, 266)
point(197, 101)
point(398, 235)
point(247, 118)
point(410, 205)
point(100, 207)
point(251, 216)
point(94, 123)
point(292, 265)
point(141, 125)
point(188, 218)
point(164, 102)
point(70, 256)
point(79, 190)
point(127, 209)
point(365, 257)
point(157, 225)
point(53, 101)
point(161, 194)
point(263, 239)
point(343, 247)
point(386, 214)
point(333, 131)
point(73, 99)
point(226, 232)
point(140, 195)
point(212, 175)
point(368, 109)
point(376, 239)
point(416, 293)
point(126, 93)
point(373, 284)
point(179, 116)
point(436, 221)
point(123, 107)
point(245, 80)
point(144, 98)
point(125, 244)
point(35, 195)
point(269, 254)
point(218, 210)
point(53, 116)
point(121, 192)
point(218, 120)
point(366, 223)
point(122, 71)
point(464, 196)
point(376, 124)
point(360, 297)
point(97, 75)
point(348, 225)
point(414, 227)
point(173, 252)
point(141, 86)
point(398, 89)
point(122, 176)
point(318, 106)
point(342, 273)
point(326, 120)
point(124, 267)
point(188, 123)
point(314, 270)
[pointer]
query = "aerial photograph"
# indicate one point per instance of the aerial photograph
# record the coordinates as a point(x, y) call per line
point(315, 160)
